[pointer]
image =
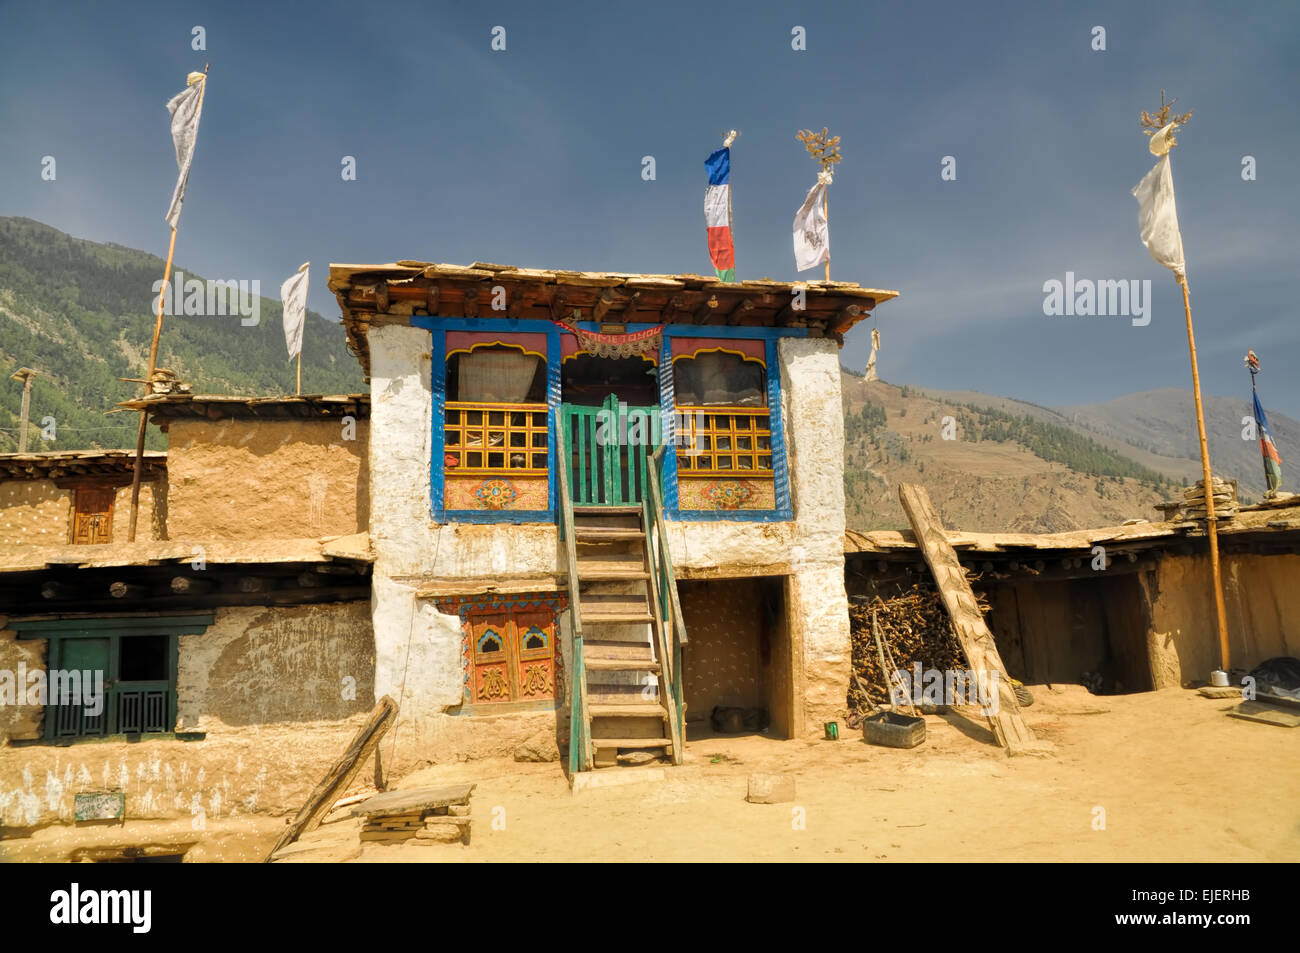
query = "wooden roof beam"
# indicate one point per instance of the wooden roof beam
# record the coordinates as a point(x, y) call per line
point(707, 312)
point(604, 302)
point(744, 307)
point(674, 304)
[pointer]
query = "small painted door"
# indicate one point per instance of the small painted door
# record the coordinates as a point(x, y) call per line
point(92, 520)
point(608, 448)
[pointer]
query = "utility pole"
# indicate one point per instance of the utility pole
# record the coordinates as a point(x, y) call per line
point(24, 374)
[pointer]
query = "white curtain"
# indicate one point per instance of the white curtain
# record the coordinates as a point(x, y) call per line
point(496, 377)
point(719, 380)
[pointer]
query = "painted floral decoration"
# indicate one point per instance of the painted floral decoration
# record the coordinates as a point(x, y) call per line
point(729, 494)
point(496, 494)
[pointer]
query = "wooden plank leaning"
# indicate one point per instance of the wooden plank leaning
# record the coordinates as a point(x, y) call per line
point(972, 632)
point(340, 775)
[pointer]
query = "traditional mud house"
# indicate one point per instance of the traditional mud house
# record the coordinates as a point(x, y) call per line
point(72, 496)
point(1123, 608)
point(233, 635)
point(516, 415)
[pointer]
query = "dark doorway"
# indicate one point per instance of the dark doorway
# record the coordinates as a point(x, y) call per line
point(740, 654)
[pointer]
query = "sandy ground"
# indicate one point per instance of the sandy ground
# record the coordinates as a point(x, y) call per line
point(1177, 779)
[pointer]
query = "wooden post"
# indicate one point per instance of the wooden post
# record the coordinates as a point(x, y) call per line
point(340, 775)
point(302, 341)
point(1211, 521)
point(153, 364)
point(826, 211)
point(24, 374)
point(148, 381)
point(727, 140)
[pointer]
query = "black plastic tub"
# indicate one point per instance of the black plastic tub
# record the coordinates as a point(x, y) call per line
point(893, 730)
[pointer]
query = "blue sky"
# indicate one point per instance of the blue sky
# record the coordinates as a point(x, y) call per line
point(532, 156)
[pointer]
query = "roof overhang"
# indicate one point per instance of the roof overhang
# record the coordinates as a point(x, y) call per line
point(164, 408)
point(63, 464)
point(375, 294)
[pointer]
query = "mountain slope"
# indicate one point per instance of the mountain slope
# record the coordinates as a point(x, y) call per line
point(1163, 422)
point(81, 313)
point(1003, 470)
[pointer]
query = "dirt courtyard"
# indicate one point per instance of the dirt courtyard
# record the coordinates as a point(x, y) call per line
point(1178, 781)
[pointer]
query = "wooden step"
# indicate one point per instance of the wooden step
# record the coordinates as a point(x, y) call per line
point(616, 618)
point(613, 602)
point(590, 570)
point(618, 695)
point(612, 648)
point(622, 665)
point(607, 534)
point(646, 710)
point(586, 513)
point(614, 608)
point(631, 742)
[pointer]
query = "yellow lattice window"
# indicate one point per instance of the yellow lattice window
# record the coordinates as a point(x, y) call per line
point(495, 438)
point(731, 441)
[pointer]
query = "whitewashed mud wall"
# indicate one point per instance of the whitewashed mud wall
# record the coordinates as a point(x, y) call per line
point(268, 686)
point(418, 649)
point(818, 606)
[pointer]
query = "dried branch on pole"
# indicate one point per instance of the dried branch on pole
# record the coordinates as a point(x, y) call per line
point(1154, 122)
point(822, 146)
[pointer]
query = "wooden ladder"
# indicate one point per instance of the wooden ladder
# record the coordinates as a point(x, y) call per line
point(614, 599)
point(620, 583)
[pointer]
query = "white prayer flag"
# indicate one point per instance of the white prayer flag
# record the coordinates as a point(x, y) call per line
point(184, 108)
point(871, 360)
point(1157, 212)
point(293, 297)
point(812, 239)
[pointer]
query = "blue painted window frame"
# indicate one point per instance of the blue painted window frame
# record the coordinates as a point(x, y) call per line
point(438, 328)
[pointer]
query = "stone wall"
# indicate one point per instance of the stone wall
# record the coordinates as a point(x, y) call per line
point(266, 479)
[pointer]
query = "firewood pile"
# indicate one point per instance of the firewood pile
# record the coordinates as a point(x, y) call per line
point(914, 627)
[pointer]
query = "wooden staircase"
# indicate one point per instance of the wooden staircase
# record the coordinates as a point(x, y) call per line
point(624, 624)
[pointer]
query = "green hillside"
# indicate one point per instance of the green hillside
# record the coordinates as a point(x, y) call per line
point(80, 313)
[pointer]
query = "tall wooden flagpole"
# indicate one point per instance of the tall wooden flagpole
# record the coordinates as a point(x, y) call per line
point(153, 363)
point(727, 140)
point(1164, 122)
point(1211, 521)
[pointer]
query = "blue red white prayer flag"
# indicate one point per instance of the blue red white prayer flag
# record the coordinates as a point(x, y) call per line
point(717, 214)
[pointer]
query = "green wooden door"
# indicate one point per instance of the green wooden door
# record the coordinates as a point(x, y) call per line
point(608, 447)
point(85, 657)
